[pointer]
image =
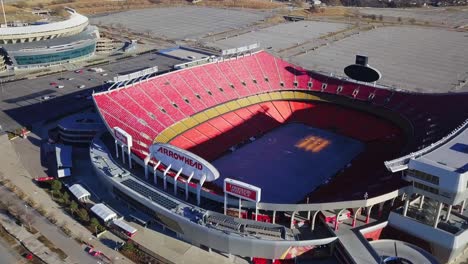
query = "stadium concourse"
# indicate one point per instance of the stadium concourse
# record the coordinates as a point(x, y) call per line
point(231, 104)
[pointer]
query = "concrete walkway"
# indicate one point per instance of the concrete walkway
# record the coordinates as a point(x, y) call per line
point(27, 151)
point(356, 248)
point(178, 251)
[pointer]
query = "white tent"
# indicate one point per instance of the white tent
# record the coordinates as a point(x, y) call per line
point(79, 192)
point(130, 230)
point(103, 212)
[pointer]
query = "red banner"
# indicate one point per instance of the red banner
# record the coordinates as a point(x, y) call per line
point(120, 137)
point(241, 191)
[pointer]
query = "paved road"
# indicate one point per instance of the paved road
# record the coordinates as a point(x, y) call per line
point(74, 250)
point(21, 103)
point(6, 257)
point(19, 152)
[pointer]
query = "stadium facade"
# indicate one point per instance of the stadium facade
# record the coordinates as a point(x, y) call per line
point(45, 45)
point(216, 108)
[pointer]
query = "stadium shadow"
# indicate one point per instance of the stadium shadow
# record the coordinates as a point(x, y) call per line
point(35, 141)
point(257, 125)
point(215, 147)
point(295, 71)
point(44, 110)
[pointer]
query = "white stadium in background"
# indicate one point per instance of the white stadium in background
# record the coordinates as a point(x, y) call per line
point(75, 24)
point(41, 45)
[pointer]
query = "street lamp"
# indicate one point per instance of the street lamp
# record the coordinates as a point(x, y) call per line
point(4, 16)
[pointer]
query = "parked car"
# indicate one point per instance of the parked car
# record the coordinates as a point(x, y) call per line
point(60, 86)
point(81, 86)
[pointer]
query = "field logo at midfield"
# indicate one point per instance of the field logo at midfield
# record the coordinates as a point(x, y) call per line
point(185, 160)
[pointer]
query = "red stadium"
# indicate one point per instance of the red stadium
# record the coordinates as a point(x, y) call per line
point(306, 141)
point(209, 109)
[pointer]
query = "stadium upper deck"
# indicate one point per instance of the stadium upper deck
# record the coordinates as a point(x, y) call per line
point(185, 93)
point(195, 96)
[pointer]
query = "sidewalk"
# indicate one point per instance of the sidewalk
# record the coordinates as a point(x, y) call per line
point(11, 167)
point(179, 252)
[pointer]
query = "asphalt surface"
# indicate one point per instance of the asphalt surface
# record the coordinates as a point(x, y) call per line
point(24, 102)
point(182, 22)
point(281, 36)
point(412, 58)
point(75, 251)
point(6, 257)
point(451, 16)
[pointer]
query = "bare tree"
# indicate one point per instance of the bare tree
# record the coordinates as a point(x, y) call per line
point(3, 197)
point(20, 211)
point(148, 32)
point(29, 219)
point(13, 209)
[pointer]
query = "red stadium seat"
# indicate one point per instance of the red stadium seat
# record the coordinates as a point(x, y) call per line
point(268, 66)
point(253, 65)
point(147, 108)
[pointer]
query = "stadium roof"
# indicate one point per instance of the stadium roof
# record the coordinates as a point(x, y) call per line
point(78, 191)
point(88, 34)
point(74, 20)
point(103, 212)
point(452, 156)
point(82, 121)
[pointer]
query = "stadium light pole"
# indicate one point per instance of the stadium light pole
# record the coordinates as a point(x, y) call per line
point(4, 16)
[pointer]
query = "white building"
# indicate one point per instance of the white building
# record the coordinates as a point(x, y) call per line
point(434, 209)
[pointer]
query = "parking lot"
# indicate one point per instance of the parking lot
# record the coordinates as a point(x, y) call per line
point(281, 36)
point(408, 57)
point(25, 102)
point(180, 23)
point(451, 16)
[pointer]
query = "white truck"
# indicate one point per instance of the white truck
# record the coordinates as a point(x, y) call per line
point(98, 70)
